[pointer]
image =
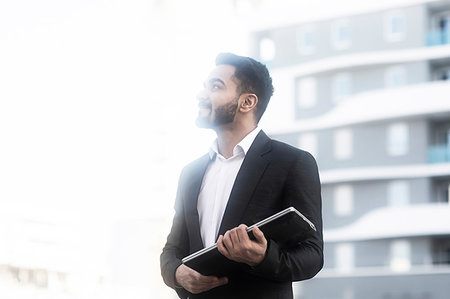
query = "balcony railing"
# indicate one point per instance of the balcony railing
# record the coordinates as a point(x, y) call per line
point(438, 37)
point(439, 153)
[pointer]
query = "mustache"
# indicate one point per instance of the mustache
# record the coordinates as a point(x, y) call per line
point(204, 104)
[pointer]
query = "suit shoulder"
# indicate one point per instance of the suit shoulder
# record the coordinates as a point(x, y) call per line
point(285, 149)
point(195, 165)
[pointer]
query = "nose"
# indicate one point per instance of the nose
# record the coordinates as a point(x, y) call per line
point(202, 95)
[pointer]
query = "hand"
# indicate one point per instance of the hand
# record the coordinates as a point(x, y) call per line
point(195, 282)
point(237, 246)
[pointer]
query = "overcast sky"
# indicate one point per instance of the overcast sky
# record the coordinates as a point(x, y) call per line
point(97, 100)
point(97, 97)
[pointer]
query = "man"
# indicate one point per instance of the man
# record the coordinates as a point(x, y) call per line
point(245, 178)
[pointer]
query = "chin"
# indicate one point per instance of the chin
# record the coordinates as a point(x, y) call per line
point(203, 123)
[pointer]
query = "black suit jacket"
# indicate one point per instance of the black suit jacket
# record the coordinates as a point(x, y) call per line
point(273, 176)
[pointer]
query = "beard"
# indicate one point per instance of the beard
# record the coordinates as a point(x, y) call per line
point(223, 115)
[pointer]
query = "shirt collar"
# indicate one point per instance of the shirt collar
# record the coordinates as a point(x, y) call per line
point(243, 146)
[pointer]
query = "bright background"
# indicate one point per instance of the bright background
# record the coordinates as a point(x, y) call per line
point(97, 109)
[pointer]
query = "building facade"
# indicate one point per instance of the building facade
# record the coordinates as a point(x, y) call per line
point(368, 94)
point(47, 253)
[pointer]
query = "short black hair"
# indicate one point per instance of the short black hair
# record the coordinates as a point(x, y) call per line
point(253, 77)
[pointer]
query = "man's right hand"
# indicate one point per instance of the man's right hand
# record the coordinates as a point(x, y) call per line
point(195, 282)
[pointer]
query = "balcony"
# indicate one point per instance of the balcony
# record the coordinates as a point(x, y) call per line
point(420, 100)
point(439, 153)
point(438, 37)
point(383, 223)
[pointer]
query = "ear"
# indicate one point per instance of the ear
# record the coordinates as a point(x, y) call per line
point(248, 103)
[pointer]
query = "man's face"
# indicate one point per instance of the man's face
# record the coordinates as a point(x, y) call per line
point(218, 101)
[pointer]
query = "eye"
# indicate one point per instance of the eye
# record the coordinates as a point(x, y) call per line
point(215, 86)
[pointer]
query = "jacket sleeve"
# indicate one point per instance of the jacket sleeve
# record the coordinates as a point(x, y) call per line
point(302, 191)
point(176, 246)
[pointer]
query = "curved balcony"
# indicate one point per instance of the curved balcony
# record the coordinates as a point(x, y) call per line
point(349, 61)
point(395, 222)
point(439, 153)
point(384, 173)
point(426, 99)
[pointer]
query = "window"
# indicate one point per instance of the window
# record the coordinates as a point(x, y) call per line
point(448, 195)
point(308, 142)
point(341, 35)
point(442, 189)
point(442, 73)
point(440, 28)
point(345, 257)
point(306, 92)
point(343, 200)
point(400, 256)
point(394, 26)
point(341, 87)
point(441, 251)
point(398, 193)
point(266, 49)
point(343, 144)
point(395, 76)
point(306, 40)
point(398, 139)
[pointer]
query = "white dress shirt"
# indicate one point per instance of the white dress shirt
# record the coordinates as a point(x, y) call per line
point(216, 186)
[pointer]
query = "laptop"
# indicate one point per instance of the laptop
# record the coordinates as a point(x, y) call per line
point(286, 227)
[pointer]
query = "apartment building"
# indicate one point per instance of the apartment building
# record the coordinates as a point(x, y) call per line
point(368, 94)
point(48, 253)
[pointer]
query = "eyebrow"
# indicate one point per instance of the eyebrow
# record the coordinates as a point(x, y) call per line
point(213, 80)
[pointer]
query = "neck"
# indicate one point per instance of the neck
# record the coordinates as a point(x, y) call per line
point(228, 138)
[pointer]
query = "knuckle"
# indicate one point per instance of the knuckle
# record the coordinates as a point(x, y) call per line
point(196, 277)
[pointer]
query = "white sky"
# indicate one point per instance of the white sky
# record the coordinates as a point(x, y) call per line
point(97, 110)
point(97, 97)
point(97, 100)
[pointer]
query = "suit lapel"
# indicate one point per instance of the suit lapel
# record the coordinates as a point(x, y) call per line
point(193, 190)
point(246, 181)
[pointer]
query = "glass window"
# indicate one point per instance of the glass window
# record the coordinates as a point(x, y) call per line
point(440, 28)
point(341, 35)
point(442, 73)
point(448, 194)
point(343, 200)
point(308, 142)
point(398, 139)
point(267, 49)
point(306, 92)
point(345, 257)
point(343, 144)
point(395, 76)
point(400, 255)
point(306, 40)
point(341, 87)
point(394, 26)
point(398, 193)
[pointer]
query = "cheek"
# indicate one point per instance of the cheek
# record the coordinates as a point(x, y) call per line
point(204, 114)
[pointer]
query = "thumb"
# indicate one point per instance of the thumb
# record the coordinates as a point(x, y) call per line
point(259, 235)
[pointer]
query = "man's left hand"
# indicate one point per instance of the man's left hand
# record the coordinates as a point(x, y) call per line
point(236, 245)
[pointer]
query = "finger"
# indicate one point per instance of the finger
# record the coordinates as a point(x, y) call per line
point(242, 226)
point(234, 236)
point(210, 282)
point(201, 283)
point(242, 233)
point(227, 241)
point(259, 235)
point(221, 247)
point(220, 281)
